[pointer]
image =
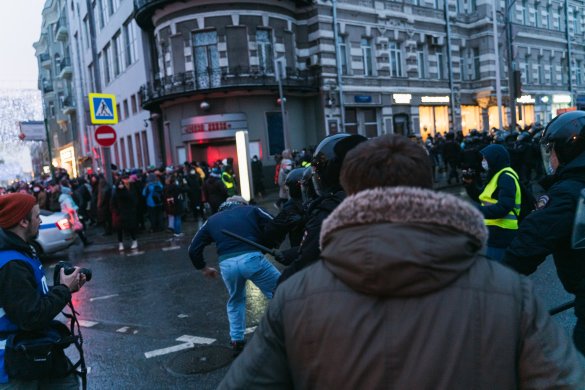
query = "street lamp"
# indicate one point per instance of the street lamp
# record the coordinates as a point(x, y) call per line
point(511, 64)
point(339, 69)
point(498, 80)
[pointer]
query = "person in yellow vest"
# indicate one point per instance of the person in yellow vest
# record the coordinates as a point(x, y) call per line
point(227, 177)
point(499, 200)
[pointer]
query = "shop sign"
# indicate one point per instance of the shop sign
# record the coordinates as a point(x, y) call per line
point(402, 98)
point(66, 154)
point(213, 126)
point(33, 130)
point(434, 99)
point(544, 99)
point(362, 99)
point(562, 99)
point(526, 99)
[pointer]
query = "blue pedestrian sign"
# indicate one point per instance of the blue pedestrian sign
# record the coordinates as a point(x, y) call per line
point(102, 108)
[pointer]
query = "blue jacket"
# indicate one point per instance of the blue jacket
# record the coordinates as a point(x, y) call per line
point(498, 158)
point(247, 221)
point(149, 190)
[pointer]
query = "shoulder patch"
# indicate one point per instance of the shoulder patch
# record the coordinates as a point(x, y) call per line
point(542, 202)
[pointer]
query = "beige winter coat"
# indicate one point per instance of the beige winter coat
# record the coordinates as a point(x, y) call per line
point(403, 300)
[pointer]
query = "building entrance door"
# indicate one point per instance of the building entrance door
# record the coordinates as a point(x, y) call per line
point(401, 124)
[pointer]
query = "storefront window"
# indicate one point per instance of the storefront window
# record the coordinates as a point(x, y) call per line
point(471, 119)
point(524, 114)
point(494, 120)
point(433, 120)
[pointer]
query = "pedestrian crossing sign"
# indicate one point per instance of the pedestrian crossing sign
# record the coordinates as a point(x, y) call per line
point(102, 108)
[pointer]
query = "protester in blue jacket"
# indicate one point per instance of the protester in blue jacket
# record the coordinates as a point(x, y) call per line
point(238, 261)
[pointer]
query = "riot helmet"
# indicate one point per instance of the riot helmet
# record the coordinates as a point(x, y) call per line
point(328, 158)
point(565, 134)
point(307, 188)
point(293, 182)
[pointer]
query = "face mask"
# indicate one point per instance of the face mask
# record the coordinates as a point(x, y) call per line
point(484, 165)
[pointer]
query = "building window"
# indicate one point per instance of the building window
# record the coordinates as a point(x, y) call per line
point(547, 17)
point(133, 104)
point(105, 13)
point(129, 42)
point(265, 54)
point(351, 123)
point(441, 74)
point(553, 74)
point(131, 152)
point(525, 13)
point(576, 22)
point(343, 54)
point(578, 74)
point(123, 151)
point(367, 57)
point(86, 32)
point(126, 111)
point(422, 71)
point(476, 64)
point(540, 72)
point(395, 59)
point(117, 61)
point(145, 149)
point(138, 150)
point(97, 14)
point(370, 122)
point(207, 59)
point(107, 64)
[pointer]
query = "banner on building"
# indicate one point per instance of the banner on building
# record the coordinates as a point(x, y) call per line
point(32, 131)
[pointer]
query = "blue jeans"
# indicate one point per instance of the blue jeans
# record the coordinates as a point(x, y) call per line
point(235, 271)
point(496, 254)
point(177, 223)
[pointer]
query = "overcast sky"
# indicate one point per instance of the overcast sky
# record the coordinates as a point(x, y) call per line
point(20, 26)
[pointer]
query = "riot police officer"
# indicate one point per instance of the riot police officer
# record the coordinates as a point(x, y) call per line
point(326, 166)
point(548, 229)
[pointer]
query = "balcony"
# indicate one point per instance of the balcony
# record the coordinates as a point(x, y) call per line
point(65, 68)
point(45, 60)
point(62, 34)
point(225, 79)
point(68, 106)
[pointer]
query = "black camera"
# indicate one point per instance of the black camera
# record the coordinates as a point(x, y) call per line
point(68, 268)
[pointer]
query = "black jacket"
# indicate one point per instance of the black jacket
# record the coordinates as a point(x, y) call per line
point(548, 231)
point(19, 296)
point(308, 252)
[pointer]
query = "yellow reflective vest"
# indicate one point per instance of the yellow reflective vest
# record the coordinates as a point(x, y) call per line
point(228, 181)
point(510, 221)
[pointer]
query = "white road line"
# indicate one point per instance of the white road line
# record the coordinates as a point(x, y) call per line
point(183, 315)
point(250, 330)
point(123, 329)
point(135, 253)
point(87, 324)
point(189, 342)
point(171, 248)
point(103, 297)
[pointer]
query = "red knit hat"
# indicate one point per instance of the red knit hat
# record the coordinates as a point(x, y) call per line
point(14, 207)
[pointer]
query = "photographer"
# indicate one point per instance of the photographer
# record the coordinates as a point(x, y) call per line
point(26, 302)
point(500, 199)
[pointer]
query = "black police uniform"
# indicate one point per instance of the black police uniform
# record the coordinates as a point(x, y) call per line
point(548, 231)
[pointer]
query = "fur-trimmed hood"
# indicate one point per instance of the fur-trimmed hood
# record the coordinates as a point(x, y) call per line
point(401, 240)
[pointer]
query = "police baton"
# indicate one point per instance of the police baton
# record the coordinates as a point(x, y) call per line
point(262, 248)
point(561, 308)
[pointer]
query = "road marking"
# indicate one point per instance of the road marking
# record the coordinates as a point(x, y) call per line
point(250, 330)
point(135, 253)
point(123, 329)
point(87, 324)
point(188, 342)
point(171, 248)
point(103, 297)
point(183, 315)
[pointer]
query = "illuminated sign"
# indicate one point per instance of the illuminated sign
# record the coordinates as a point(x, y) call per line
point(562, 99)
point(434, 99)
point(402, 98)
point(544, 99)
point(526, 99)
point(212, 126)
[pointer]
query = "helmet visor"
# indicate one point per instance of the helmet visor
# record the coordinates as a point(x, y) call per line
point(546, 152)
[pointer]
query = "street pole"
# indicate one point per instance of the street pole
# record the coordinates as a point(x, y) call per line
point(498, 80)
point(279, 75)
point(49, 147)
point(455, 124)
point(511, 65)
point(339, 68)
point(569, 51)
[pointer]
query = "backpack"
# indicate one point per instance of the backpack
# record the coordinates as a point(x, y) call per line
point(527, 199)
point(157, 195)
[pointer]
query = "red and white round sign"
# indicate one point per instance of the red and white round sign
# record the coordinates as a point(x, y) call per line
point(105, 136)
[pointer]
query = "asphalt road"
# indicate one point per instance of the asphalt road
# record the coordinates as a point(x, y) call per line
point(151, 321)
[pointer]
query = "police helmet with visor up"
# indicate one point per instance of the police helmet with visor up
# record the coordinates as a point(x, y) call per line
point(565, 134)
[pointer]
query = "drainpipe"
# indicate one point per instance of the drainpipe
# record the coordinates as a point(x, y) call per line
point(455, 125)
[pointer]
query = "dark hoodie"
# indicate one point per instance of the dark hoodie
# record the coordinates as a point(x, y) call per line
point(19, 296)
point(498, 158)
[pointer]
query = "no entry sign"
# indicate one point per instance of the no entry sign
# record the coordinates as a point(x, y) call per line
point(105, 136)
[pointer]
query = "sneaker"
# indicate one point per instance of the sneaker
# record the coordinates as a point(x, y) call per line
point(134, 244)
point(238, 347)
point(177, 235)
point(121, 247)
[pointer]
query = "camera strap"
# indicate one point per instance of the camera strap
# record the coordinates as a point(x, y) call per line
point(80, 367)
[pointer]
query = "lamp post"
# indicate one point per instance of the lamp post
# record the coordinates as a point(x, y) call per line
point(339, 68)
point(498, 80)
point(279, 66)
point(511, 64)
point(49, 147)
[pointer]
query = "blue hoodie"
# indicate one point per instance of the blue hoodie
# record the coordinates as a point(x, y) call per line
point(498, 158)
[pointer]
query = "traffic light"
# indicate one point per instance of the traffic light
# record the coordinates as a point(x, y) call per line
point(517, 83)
